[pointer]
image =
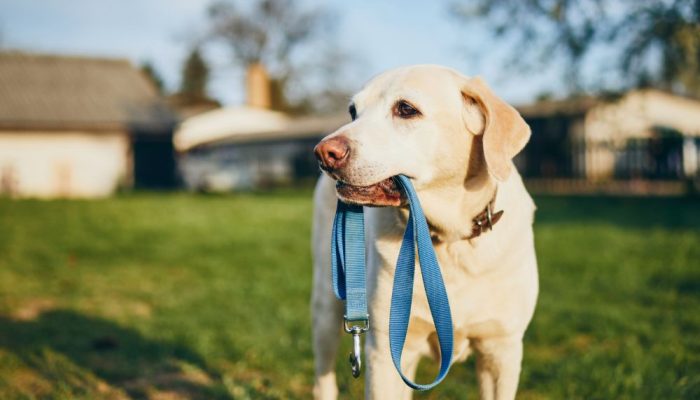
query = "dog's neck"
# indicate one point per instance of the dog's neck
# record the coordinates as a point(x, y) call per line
point(453, 205)
point(451, 209)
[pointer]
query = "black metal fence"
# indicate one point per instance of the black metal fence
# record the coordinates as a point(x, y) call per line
point(556, 160)
point(657, 158)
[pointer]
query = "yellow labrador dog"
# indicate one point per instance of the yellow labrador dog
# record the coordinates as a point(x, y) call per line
point(455, 139)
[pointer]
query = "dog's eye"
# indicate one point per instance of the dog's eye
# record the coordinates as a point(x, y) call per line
point(353, 111)
point(404, 109)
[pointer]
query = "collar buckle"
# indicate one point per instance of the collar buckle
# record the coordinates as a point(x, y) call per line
point(485, 220)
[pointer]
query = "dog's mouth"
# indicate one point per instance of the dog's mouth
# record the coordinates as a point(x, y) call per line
point(385, 193)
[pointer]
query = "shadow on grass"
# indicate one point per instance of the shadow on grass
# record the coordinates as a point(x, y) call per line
point(58, 341)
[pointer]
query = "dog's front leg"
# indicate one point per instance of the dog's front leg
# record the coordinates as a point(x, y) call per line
point(326, 310)
point(498, 367)
point(381, 379)
point(326, 337)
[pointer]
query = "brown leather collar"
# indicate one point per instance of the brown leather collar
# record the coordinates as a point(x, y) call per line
point(486, 219)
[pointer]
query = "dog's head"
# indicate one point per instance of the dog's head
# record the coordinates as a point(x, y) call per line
point(427, 122)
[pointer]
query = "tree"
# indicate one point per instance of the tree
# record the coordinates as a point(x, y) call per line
point(153, 76)
point(653, 42)
point(195, 74)
point(287, 40)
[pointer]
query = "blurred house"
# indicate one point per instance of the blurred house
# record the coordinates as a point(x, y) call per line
point(250, 146)
point(246, 147)
point(644, 134)
point(80, 127)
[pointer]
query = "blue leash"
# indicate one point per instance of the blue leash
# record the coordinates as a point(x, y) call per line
point(348, 270)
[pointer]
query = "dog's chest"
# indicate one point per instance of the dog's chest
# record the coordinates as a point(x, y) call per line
point(481, 297)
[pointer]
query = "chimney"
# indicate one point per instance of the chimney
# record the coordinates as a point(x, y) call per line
point(258, 87)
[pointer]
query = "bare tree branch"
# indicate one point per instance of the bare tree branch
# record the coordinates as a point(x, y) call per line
point(657, 41)
point(277, 33)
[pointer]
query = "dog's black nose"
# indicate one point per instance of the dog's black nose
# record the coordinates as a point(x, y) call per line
point(333, 153)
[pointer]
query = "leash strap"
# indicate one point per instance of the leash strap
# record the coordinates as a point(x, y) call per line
point(417, 232)
point(348, 260)
point(348, 273)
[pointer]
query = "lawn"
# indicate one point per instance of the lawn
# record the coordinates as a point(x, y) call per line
point(168, 296)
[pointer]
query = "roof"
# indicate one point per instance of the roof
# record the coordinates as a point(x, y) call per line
point(249, 124)
point(580, 105)
point(68, 92)
point(548, 108)
point(625, 114)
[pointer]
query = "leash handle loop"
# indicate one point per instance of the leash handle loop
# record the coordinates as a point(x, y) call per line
point(417, 234)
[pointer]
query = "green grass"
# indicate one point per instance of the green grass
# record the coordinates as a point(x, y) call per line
point(169, 296)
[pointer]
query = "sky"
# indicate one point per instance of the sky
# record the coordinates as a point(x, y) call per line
point(378, 34)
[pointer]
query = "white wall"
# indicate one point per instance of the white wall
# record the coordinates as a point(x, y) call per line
point(637, 112)
point(608, 126)
point(63, 164)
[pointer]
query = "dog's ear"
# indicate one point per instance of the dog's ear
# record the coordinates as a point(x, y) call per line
point(505, 132)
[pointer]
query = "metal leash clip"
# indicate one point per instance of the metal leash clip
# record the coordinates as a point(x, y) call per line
point(356, 354)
